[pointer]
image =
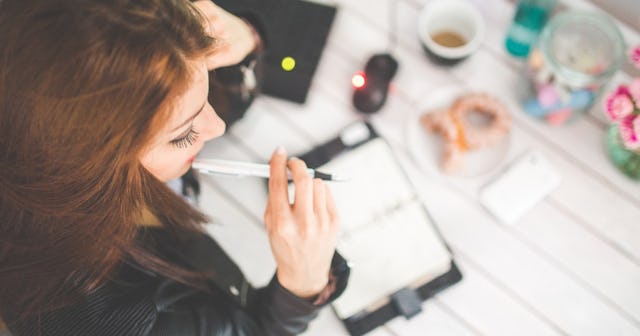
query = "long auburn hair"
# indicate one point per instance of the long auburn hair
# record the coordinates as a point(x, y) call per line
point(84, 84)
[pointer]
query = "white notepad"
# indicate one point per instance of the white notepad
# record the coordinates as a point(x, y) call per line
point(386, 234)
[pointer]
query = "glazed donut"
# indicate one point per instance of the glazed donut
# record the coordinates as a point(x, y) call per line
point(479, 137)
point(459, 135)
point(441, 122)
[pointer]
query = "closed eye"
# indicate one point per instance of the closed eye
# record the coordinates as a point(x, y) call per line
point(186, 140)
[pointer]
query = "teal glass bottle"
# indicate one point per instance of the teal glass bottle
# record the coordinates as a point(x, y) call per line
point(530, 18)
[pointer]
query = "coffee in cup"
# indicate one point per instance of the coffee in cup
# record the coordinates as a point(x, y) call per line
point(450, 30)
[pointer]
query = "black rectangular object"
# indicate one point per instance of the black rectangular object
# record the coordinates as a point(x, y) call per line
point(300, 32)
point(407, 302)
point(294, 28)
point(360, 325)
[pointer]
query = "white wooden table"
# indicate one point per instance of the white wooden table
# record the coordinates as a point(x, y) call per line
point(570, 266)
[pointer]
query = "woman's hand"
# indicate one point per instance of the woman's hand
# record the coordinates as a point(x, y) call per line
point(303, 235)
point(235, 39)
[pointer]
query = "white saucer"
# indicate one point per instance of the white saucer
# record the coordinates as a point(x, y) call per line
point(426, 147)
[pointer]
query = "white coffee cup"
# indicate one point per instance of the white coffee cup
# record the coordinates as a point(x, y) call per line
point(451, 16)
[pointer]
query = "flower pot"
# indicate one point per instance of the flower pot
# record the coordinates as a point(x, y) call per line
point(628, 161)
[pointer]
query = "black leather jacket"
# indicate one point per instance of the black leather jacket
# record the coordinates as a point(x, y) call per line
point(139, 302)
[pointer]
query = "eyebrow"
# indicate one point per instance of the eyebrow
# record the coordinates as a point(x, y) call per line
point(190, 118)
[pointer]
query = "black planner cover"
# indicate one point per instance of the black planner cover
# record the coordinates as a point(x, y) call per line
point(296, 29)
point(406, 301)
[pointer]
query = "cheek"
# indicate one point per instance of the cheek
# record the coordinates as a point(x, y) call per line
point(149, 161)
point(166, 164)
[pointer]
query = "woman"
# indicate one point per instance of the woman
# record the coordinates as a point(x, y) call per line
point(102, 102)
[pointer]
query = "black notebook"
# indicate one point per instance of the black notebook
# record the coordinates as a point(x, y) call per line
point(299, 31)
point(397, 256)
point(295, 29)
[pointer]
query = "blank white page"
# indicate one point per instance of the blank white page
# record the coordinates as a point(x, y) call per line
point(386, 234)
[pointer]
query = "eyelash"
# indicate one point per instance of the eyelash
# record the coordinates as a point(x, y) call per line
point(186, 140)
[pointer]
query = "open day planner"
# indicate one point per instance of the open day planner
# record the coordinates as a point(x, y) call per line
point(387, 235)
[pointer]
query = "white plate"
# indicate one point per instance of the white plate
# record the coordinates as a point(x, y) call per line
point(426, 147)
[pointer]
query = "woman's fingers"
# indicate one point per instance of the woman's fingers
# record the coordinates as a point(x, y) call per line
point(278, 183)
point(320, 201)
point(234, 37)
point(303, 235)
point(209, 12)
point(334, 219)
point(303, 200)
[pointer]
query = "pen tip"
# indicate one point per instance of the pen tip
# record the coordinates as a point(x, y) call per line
point(328, 177)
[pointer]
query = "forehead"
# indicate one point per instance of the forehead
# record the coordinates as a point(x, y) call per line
point(189, 102)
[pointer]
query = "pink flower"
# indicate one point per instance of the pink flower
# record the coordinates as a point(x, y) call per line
point(618, 105)
point(634, 90)
point(634, 55)
point(629, 128)
point(623, 90)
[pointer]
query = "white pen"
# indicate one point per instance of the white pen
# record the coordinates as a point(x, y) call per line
point(239, 169)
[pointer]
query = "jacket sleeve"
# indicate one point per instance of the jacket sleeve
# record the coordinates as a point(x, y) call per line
point(231, 307)
point(271, 310)
point(280, 312)
point(138, 302)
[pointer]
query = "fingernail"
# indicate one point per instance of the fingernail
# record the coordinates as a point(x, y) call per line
point(280, 150)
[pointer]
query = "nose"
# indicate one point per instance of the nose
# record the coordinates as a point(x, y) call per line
point(212, 125)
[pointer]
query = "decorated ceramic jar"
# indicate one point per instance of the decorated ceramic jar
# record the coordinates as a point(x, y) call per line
point(577, 53)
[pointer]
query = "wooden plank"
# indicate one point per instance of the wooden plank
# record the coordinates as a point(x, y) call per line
point(615, 280)
point(589, 259)
point(490, 309)
point(258, 126)
point(523, 272)
point(327, 323)
point(318, 121)
point(380, 331)
point(364, 38)
point(581, 143)
point(483, 72)
point(435, 319)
